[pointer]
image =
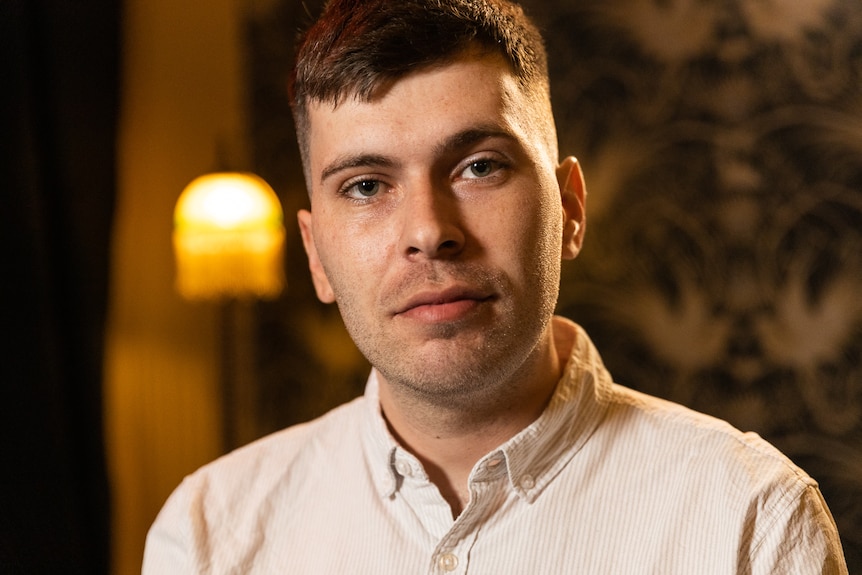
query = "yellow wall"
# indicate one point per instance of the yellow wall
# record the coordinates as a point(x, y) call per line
point(182, 95)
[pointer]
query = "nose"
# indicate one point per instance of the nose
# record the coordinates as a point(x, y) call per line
point(431, 223)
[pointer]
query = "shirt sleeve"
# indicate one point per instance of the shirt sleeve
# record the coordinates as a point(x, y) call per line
point(167, 550)
point(802, 539)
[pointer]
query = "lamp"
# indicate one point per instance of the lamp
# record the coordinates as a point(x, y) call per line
point(229, 238)
point(229, 246)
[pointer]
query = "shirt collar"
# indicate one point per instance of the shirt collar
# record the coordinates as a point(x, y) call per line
point(539, 452)
point(380, 446)
point(534, 456)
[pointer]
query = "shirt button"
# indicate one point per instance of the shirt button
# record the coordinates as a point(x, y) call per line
point(448, 562)
point(403, 468)
point(527, 482)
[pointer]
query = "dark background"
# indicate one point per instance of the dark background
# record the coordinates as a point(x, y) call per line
point(58, 113)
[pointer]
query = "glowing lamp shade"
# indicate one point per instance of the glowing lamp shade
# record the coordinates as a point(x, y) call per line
point(229, 238)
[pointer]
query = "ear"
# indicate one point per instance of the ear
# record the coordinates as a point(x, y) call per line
point(573, 193)
point(318, 274)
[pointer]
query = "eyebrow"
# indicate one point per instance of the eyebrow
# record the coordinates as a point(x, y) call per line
point(471, 136)
point(453, 143)
point(356, 161)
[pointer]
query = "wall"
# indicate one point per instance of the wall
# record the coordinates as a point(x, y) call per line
point(182, 94)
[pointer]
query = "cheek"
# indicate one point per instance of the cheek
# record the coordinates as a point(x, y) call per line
point(535, 230)
point(354, 259)
point(541, 241)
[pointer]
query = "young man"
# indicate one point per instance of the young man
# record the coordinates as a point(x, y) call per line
point(490, 438)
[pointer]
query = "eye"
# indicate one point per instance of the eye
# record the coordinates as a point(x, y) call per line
point(363, 189)
point(481, 168)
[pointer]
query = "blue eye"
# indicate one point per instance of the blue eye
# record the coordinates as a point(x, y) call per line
point(482, 168)
point(365, 188)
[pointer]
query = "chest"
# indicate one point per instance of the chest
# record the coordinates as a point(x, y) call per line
point(575, 525)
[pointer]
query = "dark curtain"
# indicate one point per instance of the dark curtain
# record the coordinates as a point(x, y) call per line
point(58, 115)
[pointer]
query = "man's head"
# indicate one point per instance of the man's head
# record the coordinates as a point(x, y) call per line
point(439, 211)
point(357, 48)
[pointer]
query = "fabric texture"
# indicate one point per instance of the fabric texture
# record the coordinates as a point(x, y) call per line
point(607, 480)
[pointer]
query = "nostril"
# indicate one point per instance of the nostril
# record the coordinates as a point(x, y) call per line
point(445, 249)
point(430, 226)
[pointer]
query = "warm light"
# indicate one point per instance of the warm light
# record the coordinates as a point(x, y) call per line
point(229, 238)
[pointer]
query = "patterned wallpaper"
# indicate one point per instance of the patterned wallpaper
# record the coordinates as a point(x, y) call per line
point(722, 146)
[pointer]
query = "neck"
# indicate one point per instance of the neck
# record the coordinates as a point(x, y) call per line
point(449, 440)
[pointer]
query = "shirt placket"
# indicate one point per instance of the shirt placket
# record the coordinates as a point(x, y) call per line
point(452, 556)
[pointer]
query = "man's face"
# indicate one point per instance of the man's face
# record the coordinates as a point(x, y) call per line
point(437, 226)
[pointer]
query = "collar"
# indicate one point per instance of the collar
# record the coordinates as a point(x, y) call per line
point(534, 456)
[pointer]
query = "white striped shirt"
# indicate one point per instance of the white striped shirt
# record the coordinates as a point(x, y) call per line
point(607, 480)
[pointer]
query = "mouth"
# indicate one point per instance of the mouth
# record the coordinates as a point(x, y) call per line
point(443, 305)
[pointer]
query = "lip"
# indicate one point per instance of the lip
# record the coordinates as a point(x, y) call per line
point(436, 306)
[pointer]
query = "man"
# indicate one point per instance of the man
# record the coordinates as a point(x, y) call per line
point(490, 438)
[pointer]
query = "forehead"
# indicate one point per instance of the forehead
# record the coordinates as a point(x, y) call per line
point(408, 118)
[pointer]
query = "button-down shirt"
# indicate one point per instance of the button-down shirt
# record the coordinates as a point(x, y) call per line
point(606, 480)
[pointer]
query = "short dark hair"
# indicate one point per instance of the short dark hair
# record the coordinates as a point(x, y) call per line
point(357, 46)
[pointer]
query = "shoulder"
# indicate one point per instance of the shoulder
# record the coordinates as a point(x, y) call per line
point(242, 481)
point(707, 467)
point(226, 505)
point(704, 445)
point(276, 456)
